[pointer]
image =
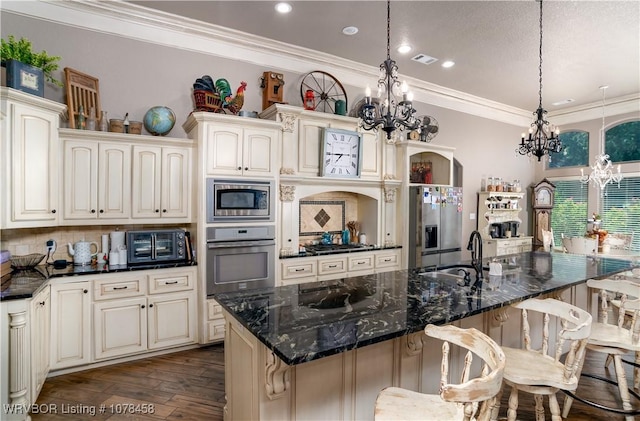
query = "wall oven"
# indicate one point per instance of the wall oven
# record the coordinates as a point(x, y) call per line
point(239, 200)
point(240, 258)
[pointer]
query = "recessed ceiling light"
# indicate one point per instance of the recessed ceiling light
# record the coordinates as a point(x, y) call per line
point(349, 30)
point(283, 8)
point(564, 101)
point(404, 48)
point(448, 63)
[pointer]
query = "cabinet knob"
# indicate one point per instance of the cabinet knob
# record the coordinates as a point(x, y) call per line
point(239, 168)
point(53, 211)
point(164, 211)
point(246, 168)
point(93, 211)
point(85, 291)
point(289, 240)
point(150, 305)
point(157, 210)
point(42, 303)
point(101, 210)
point(142, 306)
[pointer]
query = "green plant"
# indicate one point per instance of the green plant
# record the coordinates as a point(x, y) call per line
point(22, 51)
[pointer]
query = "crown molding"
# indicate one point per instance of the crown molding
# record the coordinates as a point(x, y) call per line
point(119, 18)
point(614, 106)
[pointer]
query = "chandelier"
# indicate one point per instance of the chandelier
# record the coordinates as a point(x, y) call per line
point(543, 137)
point(394, 114)
point(602, 169)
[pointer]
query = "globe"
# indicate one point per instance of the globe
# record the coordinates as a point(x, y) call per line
point(159, 120)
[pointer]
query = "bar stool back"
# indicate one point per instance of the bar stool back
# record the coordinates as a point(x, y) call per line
point(471, 398)
point(542, 371)
point(615, 336)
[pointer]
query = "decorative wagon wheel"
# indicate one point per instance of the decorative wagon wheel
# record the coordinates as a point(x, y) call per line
point(326, 88)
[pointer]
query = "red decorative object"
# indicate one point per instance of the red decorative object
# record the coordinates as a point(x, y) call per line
point(309, 100)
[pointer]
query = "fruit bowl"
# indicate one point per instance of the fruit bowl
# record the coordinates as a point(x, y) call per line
point(27, 261)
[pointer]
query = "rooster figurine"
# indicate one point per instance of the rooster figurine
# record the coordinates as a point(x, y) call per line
point(235, 104)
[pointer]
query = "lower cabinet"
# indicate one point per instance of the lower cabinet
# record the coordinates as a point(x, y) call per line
point(129, 318)
point(70, 324)
point(215, 322)
point(337, 266)
point(40, 339)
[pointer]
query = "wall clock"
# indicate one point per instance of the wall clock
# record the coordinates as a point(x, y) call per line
point(542, 206)
point(341, 153)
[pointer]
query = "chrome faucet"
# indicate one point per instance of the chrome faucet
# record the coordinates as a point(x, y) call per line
point(475, 247)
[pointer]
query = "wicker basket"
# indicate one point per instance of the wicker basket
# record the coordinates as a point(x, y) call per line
point(207, 101)
point(26, 262)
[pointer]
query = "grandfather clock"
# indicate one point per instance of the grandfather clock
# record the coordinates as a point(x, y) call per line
point(542, 203)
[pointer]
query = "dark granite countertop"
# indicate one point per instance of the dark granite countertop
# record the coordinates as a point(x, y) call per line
point(22, 284)
point(309, 321)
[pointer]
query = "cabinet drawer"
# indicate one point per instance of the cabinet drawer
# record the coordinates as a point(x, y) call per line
point(299, 269)
point(122, 288)
point(357, 263)
point(170, 282)
point(326, 267)
point(214, 310)
point(215, 330)
point(386, 260)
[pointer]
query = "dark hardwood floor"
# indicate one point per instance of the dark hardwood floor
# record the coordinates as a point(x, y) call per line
point(189, 385)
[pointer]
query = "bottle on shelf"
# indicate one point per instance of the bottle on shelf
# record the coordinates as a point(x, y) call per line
point(80, 124)
point(125, 123)
point(91, 119)
point(104, 122)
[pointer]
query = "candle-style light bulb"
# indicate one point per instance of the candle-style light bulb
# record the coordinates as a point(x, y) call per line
point(367, 92)
point(404, 87)
point(409, 96)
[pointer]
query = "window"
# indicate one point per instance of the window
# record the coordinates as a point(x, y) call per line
point(569, 215)
point(621, 209)
point(575, 150)
point(622, 142)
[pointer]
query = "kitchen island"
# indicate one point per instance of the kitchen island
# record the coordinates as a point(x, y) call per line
point(324, 350)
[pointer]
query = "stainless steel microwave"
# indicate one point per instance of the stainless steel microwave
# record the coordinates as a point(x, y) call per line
point(240, 200)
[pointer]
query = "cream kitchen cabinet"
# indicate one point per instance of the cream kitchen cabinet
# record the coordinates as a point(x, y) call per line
point(30, 160)
point(501, 246)
point(215, 322)
point(97, 180)
point(40, 340)
point(70, 324)
point(145, 311)
point(161, 183)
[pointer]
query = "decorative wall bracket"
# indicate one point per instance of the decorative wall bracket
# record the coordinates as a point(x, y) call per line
point(413, 343)
point(287, 193)
point(288, 121)
point(499, 316)
point(277, 376)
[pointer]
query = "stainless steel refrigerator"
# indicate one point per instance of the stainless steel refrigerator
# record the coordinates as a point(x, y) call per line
point(435, 227)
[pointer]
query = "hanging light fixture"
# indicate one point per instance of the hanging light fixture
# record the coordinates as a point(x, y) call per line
point(601, 170)
point(543, 137)
point(393, 114)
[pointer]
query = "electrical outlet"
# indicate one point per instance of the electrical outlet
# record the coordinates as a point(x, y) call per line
point(51, 246)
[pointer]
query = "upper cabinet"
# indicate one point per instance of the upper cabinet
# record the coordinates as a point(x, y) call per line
point(302, 132)
point(30, 155)
point(125, 179)
point(425, 163)
point(235, 146)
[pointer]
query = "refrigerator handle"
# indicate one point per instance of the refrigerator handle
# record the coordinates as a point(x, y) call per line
point(153, 247)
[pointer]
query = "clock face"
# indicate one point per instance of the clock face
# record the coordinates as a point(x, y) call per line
point(341, 153)
point(543, 197)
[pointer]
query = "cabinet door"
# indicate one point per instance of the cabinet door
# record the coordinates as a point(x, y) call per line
point(146, 180)
point(40, 341)
point(70, 324)
point(310, 136)
point(114, 180)
point(172, 320)
point(258, 152)
point(175, 194)
point(120, 327)
point(33, 196)
point(80, 179)
point(371, 156)
point(223, 151)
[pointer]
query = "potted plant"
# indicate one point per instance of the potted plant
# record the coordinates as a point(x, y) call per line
point(26, 69)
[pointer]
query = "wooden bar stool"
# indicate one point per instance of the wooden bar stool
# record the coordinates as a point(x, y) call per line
point(472, 398)
point(538, 368)
point(615, 336)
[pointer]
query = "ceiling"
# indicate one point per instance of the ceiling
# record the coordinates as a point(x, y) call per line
point(495, 44)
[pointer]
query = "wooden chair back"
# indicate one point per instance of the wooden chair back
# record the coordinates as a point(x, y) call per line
point(84, 90)
point(623, 294)
point(574, 330)
point(476, 394)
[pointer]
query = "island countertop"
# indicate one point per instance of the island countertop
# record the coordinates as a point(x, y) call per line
point(308, 321)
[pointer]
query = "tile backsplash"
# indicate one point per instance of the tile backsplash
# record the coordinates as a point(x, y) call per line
point(33, 240)
point(339, 206)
